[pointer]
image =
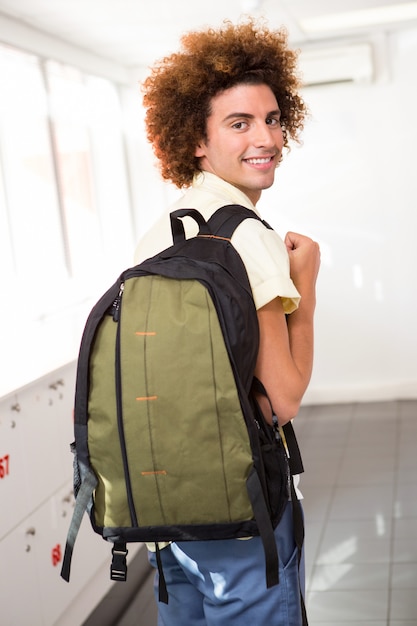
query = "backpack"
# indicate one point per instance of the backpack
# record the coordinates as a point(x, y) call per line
point(170, 443)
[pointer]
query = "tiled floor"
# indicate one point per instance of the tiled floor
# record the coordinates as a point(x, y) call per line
point(360, 502)
point(360, 490)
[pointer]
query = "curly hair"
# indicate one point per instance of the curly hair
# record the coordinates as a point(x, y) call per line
point(179, 90)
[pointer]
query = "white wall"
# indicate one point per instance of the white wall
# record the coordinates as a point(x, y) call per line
point(353, 186)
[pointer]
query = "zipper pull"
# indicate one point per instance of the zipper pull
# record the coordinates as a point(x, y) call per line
point(275, 427)
point(116, 304)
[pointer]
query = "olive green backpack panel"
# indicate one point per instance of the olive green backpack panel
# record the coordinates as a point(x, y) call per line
point(110, 498)
point(179, 452)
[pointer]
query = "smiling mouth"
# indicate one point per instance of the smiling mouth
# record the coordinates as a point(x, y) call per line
point(260, 160)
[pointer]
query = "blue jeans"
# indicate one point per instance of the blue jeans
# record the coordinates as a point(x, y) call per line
point(222, 583)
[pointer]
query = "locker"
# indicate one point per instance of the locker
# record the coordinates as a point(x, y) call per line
point(46, 411)
point(20, 585)
point(13, 484)
point(51, 523)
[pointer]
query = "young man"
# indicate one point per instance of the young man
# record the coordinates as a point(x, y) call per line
point(219, 114)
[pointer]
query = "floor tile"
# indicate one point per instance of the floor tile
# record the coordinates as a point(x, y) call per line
point(376, 528)
point(355, 550)
point(374, 453)
point(359, 477)
point(403, 604)
point(332, 412)
point(407, 451)
point(319, 475)
point(316, 502)
point(406, 456)
point(404, 576)
point(325, 430)
point(407, 426)
point(405, 501)
point(404, 551)
point(407, 435)
point(335, 606)
point(379, 411)
point(313, 534)
point(315, 457)
point(367, 431)
point(407, 408)
point(406, 528)
point(407, 472)
point(365, 470)
point(349, 576)
point(361, 502)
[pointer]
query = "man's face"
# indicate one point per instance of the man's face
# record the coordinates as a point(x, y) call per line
point(244, 138)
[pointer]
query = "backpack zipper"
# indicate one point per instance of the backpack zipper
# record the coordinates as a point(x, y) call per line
point(119, 409)
point(115, 308)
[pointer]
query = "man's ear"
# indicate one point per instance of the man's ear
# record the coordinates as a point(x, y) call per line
point(200, 151)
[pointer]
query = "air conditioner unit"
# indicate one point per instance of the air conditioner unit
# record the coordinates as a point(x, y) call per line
point(337, 64)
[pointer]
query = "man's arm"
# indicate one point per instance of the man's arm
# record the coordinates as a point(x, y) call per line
point(285, 358)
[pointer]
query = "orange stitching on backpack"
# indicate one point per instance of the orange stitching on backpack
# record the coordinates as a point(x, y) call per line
point(147, 398)
point(215, 237)
point(143, 333)
point(163, 472)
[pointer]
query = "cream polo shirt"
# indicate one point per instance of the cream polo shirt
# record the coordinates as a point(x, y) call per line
point(262, 250)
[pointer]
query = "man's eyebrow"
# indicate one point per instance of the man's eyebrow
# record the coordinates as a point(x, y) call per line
point(249, 116)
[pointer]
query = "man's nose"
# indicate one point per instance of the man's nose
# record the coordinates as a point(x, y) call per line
point(264, 137)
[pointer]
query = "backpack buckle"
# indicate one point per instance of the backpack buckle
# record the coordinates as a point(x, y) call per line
point(118, 568)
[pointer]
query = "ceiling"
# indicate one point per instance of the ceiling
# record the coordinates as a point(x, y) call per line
point(136, 32)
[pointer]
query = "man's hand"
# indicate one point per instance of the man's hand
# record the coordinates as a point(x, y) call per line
point(304, 255)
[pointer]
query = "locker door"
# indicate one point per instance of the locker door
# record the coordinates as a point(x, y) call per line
point(51, 523)
point(13, 496)
point(46, 410)
point(20, 603)
point(36, 427)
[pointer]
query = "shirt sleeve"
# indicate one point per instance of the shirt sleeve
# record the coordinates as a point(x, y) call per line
point(266, 260)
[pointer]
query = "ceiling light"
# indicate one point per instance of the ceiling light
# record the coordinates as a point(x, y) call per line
point(365, 17)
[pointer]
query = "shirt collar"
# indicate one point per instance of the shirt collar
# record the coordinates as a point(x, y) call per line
point(217, 186)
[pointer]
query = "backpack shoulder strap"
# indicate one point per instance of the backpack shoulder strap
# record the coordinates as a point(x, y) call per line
point(222, 223)
point(225, 220)
point(295, 460)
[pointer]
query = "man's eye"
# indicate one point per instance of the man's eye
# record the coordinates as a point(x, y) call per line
point(272, 121)
point(239, 125)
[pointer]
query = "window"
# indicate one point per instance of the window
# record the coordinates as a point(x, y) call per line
point(29, 198)
point(65, 215)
